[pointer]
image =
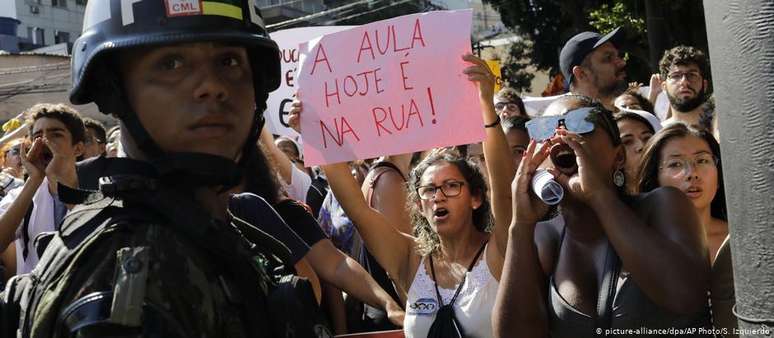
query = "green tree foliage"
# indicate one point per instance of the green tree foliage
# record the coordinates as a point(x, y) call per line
point(607, 18)
point(548, 24)
point(515, 67)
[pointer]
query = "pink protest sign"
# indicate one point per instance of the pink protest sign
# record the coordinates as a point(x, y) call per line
point(389, 87)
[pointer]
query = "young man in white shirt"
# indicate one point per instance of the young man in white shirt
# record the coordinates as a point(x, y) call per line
point(57, 133)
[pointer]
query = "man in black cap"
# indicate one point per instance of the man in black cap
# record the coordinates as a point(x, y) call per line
point(592, 66)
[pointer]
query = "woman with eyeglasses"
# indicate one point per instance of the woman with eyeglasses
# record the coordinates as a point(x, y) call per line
point(508, 103)
point(453, 259)
point(608, 263)
point(689, 159)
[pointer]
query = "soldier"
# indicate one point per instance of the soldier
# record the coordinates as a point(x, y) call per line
point(155, 253)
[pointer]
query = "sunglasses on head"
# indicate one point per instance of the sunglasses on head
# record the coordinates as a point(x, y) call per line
point(576, 121)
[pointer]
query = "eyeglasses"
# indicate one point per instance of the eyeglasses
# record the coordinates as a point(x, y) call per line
point(678, 76)
point(577, 121)
point(679, 166)
point(510, 105)
point(449, 189)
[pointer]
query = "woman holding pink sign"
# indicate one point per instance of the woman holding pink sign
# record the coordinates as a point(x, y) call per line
point(448, 272)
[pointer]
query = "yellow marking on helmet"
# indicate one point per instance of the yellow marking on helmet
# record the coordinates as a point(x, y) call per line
point(221, 9)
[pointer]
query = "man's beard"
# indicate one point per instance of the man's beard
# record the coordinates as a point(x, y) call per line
point(612, 89)
point(688, 104)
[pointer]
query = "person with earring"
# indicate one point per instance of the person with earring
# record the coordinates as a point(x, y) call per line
point(610, 262)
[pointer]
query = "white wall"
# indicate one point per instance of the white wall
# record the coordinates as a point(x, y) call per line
point(8, 8)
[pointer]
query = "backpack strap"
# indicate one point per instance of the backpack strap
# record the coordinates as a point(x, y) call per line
point(25, 230)
point(459, 287)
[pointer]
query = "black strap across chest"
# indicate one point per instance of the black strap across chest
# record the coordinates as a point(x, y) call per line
point(462, 283)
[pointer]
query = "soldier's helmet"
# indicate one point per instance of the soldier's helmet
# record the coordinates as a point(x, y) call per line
point(113, 26)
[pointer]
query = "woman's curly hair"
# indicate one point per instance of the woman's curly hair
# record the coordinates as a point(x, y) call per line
point(426, 238)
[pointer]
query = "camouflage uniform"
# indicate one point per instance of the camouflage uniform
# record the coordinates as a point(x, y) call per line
point(127, 271)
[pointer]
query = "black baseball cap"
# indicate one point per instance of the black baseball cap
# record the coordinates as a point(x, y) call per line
point(580, 45)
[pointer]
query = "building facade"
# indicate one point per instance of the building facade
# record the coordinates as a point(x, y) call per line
point(49, 22)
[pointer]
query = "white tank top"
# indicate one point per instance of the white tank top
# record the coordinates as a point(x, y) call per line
point(473, 307)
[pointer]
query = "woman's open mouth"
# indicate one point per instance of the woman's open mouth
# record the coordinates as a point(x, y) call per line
point(440, 214)
point(563, 158)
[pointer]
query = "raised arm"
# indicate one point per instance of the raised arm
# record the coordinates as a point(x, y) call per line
point(498, 158)
point(661, 243)
point(391, 248)
point(520, 306)
point(663, 247)
point(14, 215)
point(281, 161)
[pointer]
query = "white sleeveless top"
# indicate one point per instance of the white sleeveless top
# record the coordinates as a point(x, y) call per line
point(473, 307)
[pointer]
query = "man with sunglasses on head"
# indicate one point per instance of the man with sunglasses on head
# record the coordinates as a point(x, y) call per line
point(592, 66)
point(682, 71)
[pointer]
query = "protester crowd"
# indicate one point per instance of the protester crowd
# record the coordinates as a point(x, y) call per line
point(446, 242)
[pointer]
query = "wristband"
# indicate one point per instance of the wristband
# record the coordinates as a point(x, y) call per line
point(493, 124)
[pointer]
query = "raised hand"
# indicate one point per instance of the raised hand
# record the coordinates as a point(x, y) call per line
point(61, 168)
point(528, 208)
point(33, 160)
point(294, 116)
point(655, 87)
point(590, 182)
point(480, 72)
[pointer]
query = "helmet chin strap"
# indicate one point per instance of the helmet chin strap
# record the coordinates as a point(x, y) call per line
point(185, 169)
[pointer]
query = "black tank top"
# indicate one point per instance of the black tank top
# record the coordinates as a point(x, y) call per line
point(632, 309)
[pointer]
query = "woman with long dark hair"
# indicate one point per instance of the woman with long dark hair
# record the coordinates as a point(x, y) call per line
point(689, 159)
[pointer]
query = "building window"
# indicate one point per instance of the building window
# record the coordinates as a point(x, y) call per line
point(37, 35)
point(81, 2)
point(59, 3)
point(61, 37)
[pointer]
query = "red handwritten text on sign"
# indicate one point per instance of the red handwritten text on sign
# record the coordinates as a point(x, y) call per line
point(389, 87)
